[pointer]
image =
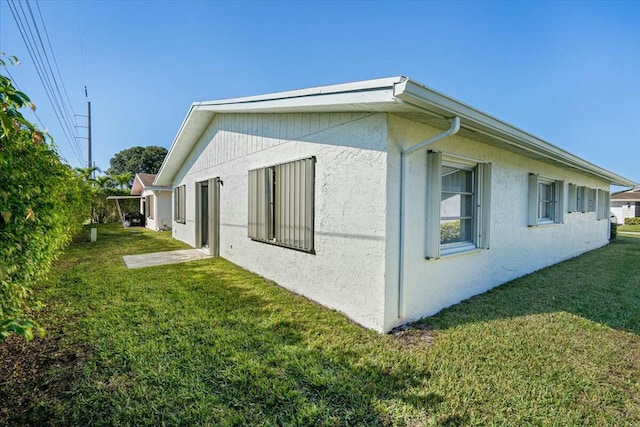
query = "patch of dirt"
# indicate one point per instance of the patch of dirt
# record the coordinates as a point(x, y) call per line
point(414, 335)
point(35, 375)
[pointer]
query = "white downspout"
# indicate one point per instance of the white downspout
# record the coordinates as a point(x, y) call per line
point(455, 127)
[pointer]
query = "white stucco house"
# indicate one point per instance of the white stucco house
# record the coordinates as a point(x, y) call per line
point(382, 199)
point(625, 204)
point(155, 201)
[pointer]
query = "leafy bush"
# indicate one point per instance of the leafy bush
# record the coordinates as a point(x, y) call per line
point(42, 205)
point(632, 221)
point(105, 211)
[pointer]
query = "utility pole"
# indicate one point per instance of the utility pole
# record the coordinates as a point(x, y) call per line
point(89, 135)
point(90, 162)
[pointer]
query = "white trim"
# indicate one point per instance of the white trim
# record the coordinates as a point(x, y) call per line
point(394, 94)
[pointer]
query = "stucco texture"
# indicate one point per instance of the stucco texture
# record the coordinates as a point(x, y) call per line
point(346, 272)
point(515, 249)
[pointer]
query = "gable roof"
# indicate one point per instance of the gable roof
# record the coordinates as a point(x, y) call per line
point(399, 95)
point(632, 195)
point(144, 181)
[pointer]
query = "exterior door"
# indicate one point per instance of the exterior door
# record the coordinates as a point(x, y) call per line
point(208, 223)
point(204, 214)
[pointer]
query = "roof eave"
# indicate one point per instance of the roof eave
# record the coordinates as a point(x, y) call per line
point(394, 94)
point(473, 119)
point(370, 95)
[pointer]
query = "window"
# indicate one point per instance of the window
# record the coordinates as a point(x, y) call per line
point(148, 207)
point(179, 204)
point(581, 199)
point(281, 204)
point(458, 205)
point(604, 203)
point(545, 201)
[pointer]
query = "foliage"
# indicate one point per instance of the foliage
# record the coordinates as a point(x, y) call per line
point(101, 187)
point(632, 221)
point(11, 99)
point(450, 231)
point(123, 180)
point(137, 160)
point(42, 206)
point(207, 343)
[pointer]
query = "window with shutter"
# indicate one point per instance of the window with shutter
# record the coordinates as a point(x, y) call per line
point(458, 205)
point(179, 204)
point(604, 203)
point(545, 200)
point(281, 204)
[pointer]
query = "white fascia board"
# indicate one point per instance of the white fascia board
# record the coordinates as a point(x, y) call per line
point(369, 95)
point(366, 86)
point(417, 94)
point(375, 100)
point(190, 130)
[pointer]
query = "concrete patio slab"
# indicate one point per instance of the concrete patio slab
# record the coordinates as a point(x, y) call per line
point(162, 258)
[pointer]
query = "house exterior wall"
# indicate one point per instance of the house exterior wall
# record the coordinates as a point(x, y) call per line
point(161, 207)
point(515, 249)
point(346, 272)
point(624, 210)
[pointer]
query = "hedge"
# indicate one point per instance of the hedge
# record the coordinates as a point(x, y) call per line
point(42, 204)
point(632, 221)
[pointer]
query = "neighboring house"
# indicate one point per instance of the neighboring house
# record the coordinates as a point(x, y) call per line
point(155, 201)
point(625, 204)
point(382, 199)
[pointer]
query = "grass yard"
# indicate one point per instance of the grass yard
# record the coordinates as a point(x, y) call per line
point(633, 228)
point(207, 343)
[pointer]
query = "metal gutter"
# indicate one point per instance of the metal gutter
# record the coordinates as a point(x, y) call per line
point(455, 127)
point(475, 120)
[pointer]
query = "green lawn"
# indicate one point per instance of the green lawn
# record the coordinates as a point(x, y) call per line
point(207, 343)
point(634, 228)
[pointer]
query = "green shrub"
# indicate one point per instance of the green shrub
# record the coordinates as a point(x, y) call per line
point(42, 205)
point(632, 221)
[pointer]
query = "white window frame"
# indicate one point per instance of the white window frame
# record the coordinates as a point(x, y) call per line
point(481, 213)
point(281, 207)
point(535, 201)
point(179, 204)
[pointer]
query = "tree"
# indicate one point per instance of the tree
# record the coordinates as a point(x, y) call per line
point(87, 173)
point(137, 160)
point(123, 180)
point(42, 205)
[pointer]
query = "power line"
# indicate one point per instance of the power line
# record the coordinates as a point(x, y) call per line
point(55, 61)
point(44, 68)
point(13, 80)
point(18, 87)
point(54, 95)
point(44, 50)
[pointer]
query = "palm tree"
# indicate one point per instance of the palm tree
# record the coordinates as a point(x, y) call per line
point(102, 182)
point(87, 173)
point(123, 180)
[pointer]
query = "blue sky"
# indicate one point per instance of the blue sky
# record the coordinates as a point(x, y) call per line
point(568, 72)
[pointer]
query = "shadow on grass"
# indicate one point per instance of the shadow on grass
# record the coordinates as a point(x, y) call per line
point(263, 356)
point(207, 343)
point(602, 285)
